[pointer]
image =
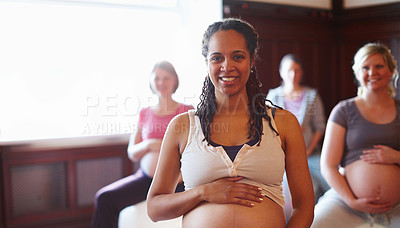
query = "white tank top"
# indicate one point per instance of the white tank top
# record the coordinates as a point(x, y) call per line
point(262, 166)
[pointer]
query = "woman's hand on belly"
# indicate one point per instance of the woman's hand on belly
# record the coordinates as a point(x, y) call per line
point(375, 186)
point(228, 191)
point(370, 205)
point(381, 154)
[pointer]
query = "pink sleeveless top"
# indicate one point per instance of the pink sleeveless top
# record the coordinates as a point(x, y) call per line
point(154, 126)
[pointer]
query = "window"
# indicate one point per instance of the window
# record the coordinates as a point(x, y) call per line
point(78, 68)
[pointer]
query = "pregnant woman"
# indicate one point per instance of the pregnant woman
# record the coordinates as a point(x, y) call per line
point(144, 147)
point(363, 136)
point(234, 149)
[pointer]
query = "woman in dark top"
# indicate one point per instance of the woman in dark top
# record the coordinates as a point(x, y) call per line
point(363, 136)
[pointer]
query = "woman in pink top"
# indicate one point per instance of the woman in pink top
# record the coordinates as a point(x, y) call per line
point(144, 147)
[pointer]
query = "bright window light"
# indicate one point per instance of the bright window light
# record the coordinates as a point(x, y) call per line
point(81, 68)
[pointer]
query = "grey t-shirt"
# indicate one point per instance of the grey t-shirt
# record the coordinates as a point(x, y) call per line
point(361, 134)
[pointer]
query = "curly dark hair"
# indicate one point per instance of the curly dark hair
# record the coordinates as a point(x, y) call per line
point(256, 100)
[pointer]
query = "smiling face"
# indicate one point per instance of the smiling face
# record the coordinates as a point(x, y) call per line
point(374, 73)
point(228, 62)
point(162, 82)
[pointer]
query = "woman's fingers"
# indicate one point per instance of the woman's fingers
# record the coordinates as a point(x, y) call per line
point(379, 208)
point(253, 195)
point(228, 191)
point(370, 205)
point(247, 199)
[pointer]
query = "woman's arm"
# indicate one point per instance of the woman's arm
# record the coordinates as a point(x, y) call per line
point(318, 121)
point(138, 148)
point(297, 172)
point(163, 203)
point(332, 153)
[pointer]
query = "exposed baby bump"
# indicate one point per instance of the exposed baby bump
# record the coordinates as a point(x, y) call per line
point(374, 180)
point(264, 214)
point(149, 163)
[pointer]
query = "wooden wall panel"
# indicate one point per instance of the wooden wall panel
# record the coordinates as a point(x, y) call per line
point(55, 186)
point(353, 33)
point(2, 220)
point(326, 40)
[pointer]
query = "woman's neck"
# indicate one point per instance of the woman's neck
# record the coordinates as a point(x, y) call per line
point(166, 105)
point(232, 105)
point(377, 98)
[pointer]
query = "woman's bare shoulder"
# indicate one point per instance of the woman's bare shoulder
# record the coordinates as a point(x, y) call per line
point(178, 130)
point(179, 125)
point(285, 121)
point(182, 118)
point(283, 116)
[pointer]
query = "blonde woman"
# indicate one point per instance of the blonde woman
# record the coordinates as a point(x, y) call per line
point(363, 137)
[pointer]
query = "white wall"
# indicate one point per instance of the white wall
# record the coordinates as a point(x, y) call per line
point(73, 68)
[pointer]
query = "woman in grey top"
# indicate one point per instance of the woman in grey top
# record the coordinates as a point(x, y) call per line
point(363, 136)
point(305, 103)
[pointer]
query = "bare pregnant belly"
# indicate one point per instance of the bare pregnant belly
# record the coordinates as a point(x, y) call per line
point(372, 180)
point(265, 214)
point(149, 163)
